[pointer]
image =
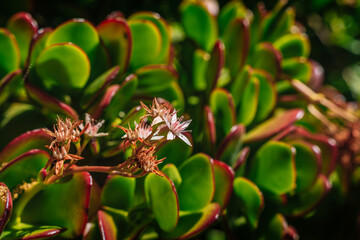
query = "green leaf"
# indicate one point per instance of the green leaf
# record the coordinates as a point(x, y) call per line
point(249, 102)
point(24, 27)
point(164, 55)
point(154, 78)
point(236, 41)
point(215, 65)
point(38, 44)
point(50, 102)
point(224, 177)
point(7, 84)
point(92, 92)
point(308, 162)
point(71, 201)
point(209, 130)
point(239, 84)
point(198, 24)
point(229, 12)
point(275, 228)
point(231, 145)
point(267, 58)
point(27, 231)
point(116, 35)
point(192, 223)
point(278, 22)
point(114, 224)
point(24, 168)
point(175, 151)
point(273, 168)
point(251, 199)
point(200, 64)
point(9, 52)
point(55, 66)
point(198, 186)
point(172, 172)
point(267, 96)
point(79, 32)
point(293, 45)
point(5, 206)
point(144, 52)
point(305, 202)
point(124, 195)
point(163, 200)
point(273, 125)
point(298, 68)
point(23, 143)
point(222, 105)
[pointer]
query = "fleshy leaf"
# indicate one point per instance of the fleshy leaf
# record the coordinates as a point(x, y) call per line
point(116, 35)
point(229, 12)
point(172, 172)
point(164, 31)
point(249, 102)
point(199, 25)
point(215, 65)
point(231, 145)
point(308, 163)
point(38, 44)
point(115, 99)
point(163, 200)
point(79, 32)
point(74, 197)
point(297, 68)
point(224, 177)
point(23, 143)
point(28, 232)
point(50, 102)
point(222, 105)
point(144, 52)
point(273, 168)
point(305, 202)
point(24, 27)
point(55, 66)
point(9, 50)
point(238, 85)
point(198, 186)
point(24, 168)
point(251, 199)
point(154, 78)
point(267, 58)
point(200, 64)
point(124, 195)
point(267, 96)
point(236, 41)
point(192, 223)
point(293, 45)
point(175, 151)
point(5, 205)
point(273, 125)
point(209, 129)
point(92, 92)
point(6, 84)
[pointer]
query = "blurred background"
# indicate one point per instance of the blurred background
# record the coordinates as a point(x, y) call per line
point(331, 25)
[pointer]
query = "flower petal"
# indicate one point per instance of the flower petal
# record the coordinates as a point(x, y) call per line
point(184, 138)
point(170, 136)
point(157, 120)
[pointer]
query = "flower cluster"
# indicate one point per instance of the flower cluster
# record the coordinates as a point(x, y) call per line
point(65, 132)
point(159, 121)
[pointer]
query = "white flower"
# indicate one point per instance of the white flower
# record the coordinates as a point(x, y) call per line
point(141, 132)
point(177, 128)
point(92, 127)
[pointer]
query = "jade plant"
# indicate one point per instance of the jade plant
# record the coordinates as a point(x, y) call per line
point(93, 148)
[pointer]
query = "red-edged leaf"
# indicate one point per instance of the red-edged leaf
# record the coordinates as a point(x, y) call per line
point(4, 91)
point(23, 143)
point(38, 44)
point(116, 35)
point(273, 125)
point(210, 129)
point(50, 102)
point(224, 177)
point(192, 223)
point(215, 64)
point(24, 27)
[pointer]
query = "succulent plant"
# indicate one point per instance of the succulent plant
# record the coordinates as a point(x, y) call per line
point(92, 145)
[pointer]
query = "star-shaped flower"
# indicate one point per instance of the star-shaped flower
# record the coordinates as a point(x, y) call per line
point(177, 128)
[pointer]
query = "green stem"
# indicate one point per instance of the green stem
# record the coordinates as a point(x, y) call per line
point(23, 200)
